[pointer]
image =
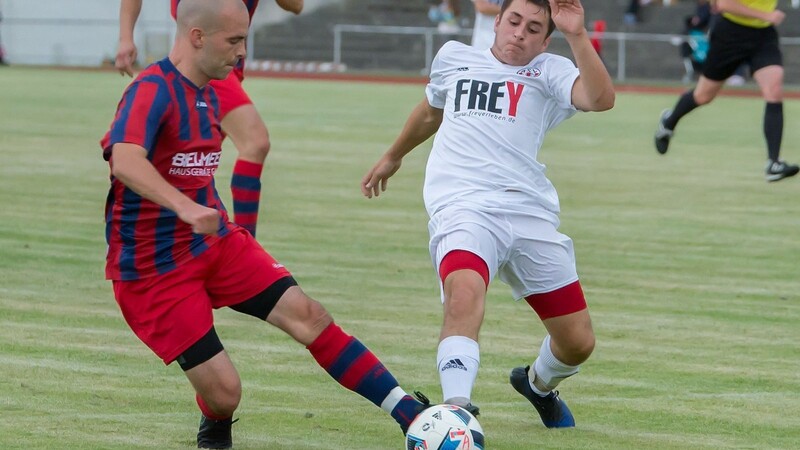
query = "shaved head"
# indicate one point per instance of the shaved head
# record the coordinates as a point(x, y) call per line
point(211, 38)
point(206, 14)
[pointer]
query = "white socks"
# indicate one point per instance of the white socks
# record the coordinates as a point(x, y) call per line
point(458, 359)
point(547, 371)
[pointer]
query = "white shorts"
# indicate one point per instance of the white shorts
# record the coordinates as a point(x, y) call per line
point(527, 252)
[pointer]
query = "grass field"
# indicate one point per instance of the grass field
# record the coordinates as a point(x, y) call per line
point(689, 262)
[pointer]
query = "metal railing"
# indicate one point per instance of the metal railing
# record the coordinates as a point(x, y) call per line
point(429, 33)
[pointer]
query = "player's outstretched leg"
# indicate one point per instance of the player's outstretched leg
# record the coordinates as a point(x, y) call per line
point(356, 368)
point(553, 411)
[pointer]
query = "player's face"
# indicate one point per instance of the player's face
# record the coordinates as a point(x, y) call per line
point(224, 47)
point(520, 33)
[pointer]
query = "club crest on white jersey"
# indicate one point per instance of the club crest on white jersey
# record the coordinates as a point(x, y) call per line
point(530, 72)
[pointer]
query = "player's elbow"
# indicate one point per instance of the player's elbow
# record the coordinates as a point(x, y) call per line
point(606, 101)
point(126, 159)
point(723, 5)
point(120, 172)
point(487, 8)
point(433, 117)
point(293, 6)
point(603, 102)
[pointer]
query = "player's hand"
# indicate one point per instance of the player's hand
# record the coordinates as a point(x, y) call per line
point(126, 57)
point(776, 17)
point(204, 220)
point(293, 6)
point(568, 16)
point(375, 181)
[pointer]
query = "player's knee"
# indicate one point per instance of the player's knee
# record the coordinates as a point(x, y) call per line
point(464, 301)
point(703, 98)
point(773, 94)
point(317, 317)
point(302, 317)
point(226, 396)
point(584, 348)
point(578, 349)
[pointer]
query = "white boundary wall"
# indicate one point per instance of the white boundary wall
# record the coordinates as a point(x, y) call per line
point(85, 32)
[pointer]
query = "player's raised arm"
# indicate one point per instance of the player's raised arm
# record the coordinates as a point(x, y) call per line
point(126, 52)
point(422, 123)
point(593, 90)
point(486, 7)
point(129, 164)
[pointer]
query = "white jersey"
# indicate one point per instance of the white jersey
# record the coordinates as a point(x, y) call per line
point(495, 119)
point(483, 30)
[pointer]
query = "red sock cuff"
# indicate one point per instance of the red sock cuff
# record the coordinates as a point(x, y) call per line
point(247, 168)
point(329, 345)
point(206, 410)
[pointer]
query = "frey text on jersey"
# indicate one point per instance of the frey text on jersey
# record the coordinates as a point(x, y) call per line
point(484, 96)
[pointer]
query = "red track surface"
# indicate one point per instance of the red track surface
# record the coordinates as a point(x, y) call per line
point(747, 91)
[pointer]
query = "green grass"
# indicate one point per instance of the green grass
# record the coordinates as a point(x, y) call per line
point(689, 262)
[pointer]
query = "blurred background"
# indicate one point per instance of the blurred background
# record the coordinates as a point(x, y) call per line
point(638, 39)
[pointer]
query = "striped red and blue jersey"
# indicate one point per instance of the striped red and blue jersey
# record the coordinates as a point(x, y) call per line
point(177, 123)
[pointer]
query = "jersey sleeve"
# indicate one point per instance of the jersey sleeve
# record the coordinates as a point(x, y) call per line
point(436, 90)
point(139, 116)
point(561, 76)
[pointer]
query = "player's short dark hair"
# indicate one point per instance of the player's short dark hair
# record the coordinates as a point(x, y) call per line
point(544, 4)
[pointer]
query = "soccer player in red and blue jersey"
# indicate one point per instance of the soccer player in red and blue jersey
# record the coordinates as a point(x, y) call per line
point(173, 255)
point(240, 119)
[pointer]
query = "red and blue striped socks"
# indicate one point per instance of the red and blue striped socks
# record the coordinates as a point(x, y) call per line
point(353, 366)
point(246, 193)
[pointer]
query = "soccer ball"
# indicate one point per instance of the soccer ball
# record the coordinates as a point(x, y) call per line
point(444, 427)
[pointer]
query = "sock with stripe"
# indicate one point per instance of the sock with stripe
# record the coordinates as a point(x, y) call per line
point(246, 193)
point(356, 368)
point(458, 358)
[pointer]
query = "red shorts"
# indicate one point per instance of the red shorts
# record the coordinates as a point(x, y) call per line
point(230, 92)
point(170, 312)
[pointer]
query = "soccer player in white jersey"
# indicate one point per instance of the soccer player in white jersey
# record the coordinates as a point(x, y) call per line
point(492, 210)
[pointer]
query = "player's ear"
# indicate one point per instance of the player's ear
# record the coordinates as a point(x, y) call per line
point(196, 36)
